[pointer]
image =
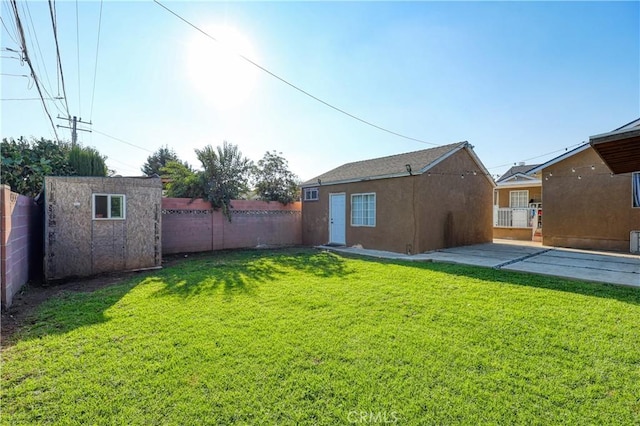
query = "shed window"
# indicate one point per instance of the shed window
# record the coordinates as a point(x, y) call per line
point(109, 206)
point(363, 209)
point(518, 199)
point(635, 188)
point(310, 194)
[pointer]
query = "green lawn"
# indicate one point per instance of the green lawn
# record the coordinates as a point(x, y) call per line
point(300, 336)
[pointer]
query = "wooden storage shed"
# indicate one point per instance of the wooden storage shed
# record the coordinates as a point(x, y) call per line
point(101, 224)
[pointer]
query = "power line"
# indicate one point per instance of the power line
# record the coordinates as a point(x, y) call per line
point(28, 61)
point(14, 75)
point(540, 156)
point(95, 69)
point(55, 37)
point(7, 30)
point(27, 99)
point(32, 31)
point(293, 85)
point(122, 141)
point(78, 54)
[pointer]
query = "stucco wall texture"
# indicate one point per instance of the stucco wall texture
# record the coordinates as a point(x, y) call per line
point(587, 208)
point(413, 213)
point(20, 242)
point(78, 245)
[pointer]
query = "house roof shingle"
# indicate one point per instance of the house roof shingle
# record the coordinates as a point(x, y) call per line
point(523, 169)
point(383, 167)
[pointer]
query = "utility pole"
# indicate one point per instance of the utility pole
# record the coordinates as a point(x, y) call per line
point(73, 121)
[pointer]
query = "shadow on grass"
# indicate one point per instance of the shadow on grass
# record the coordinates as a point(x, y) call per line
point(594, 289)
point(69, 310)
point(233, 273)
point(241, 272)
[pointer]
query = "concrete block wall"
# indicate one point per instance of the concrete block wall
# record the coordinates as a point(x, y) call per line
point(192, 226)
point(20, 242)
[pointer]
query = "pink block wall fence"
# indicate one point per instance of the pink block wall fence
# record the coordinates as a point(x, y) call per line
point(20, 242)
point(192, 226)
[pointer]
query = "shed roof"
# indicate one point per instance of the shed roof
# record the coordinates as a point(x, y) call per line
point(391, 166)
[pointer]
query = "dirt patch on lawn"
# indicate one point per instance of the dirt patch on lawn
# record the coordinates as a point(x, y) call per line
point(31, 295)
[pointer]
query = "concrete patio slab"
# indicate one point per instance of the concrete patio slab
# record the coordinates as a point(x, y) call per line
point(531, 257)
point(609, 268)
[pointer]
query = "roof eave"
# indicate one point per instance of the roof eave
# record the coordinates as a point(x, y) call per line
point(559, 158)
point(353, 180)
point(463, 145)
point(534, 182)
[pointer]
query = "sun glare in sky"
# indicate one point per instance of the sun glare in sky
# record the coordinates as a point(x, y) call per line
point(216, 70)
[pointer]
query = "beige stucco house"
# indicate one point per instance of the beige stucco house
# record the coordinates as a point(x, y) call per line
point(517, 204)
point(586, 205)
point(407, 203)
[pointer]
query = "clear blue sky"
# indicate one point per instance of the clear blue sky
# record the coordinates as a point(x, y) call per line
point(515, 79)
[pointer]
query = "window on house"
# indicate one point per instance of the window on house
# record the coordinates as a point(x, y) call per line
point(310, 194)
point(109, 206)
point(363, 209)
point(635, 188)
point(518, 199)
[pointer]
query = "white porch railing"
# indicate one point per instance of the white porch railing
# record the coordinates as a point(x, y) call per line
point(515, 217)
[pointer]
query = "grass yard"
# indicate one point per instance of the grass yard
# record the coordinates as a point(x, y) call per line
point(307, 337)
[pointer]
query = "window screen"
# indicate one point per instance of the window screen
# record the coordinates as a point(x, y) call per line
point(363, 210)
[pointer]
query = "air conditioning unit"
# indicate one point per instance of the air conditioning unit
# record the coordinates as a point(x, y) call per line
point(634, 242)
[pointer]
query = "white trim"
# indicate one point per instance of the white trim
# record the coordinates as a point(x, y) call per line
point(426, 168)
point(560, 158)
point(519, 192)
point(473, 155)
point(593, 139)
point(635, 190)
point(533, 182)
point(109, 196)
point(516, 176)
point(310, 189)
point(634, 123)
point(361, 179)
point(479, 163)
point(443, 157)
point(375, 209)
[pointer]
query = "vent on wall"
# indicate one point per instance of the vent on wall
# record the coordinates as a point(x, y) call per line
point(635, 242)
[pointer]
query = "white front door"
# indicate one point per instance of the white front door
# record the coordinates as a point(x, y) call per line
point(337, 216)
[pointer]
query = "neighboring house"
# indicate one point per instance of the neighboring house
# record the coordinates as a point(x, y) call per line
point(407, 203)
point(517, 204)
point(101, 224)
point(586, 206)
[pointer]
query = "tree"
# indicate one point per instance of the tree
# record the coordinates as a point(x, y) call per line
point(87, 161)
point(159, 159)
point(25, 164)
point(274, 181)
point(183, 181)
point(225, 176)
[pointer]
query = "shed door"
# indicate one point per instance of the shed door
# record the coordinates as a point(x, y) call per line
point(337, 222)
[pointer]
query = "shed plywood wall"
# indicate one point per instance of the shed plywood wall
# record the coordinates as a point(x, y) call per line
point(77, 245)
